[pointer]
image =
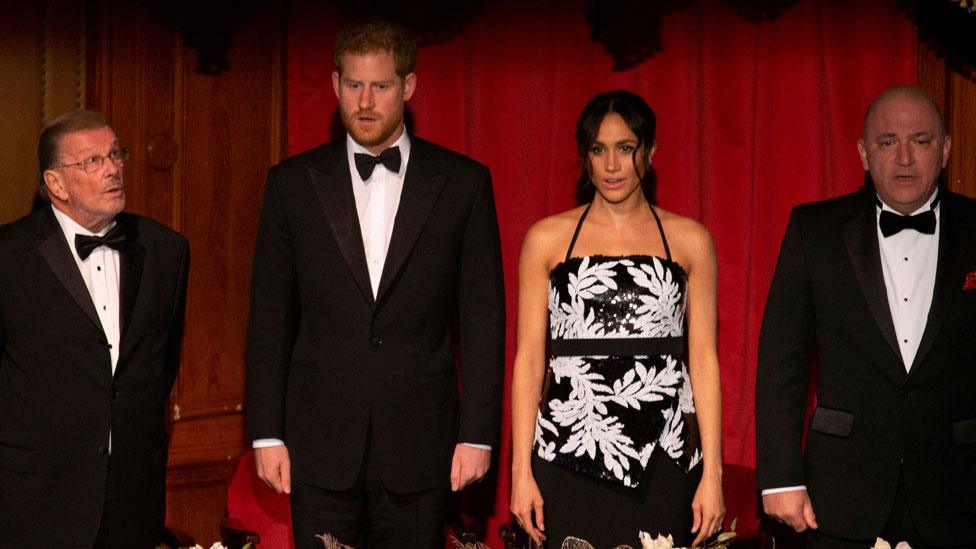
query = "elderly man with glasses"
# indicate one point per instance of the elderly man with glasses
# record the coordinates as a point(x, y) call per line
point(91, 317)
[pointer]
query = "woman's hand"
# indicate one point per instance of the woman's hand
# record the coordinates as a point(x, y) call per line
point(526, 502)
point(708, 508)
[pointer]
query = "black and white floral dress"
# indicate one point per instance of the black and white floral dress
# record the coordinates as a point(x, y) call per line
point(617, 389)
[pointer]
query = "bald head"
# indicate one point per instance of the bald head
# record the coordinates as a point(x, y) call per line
point(904, 147)
point(909, 93)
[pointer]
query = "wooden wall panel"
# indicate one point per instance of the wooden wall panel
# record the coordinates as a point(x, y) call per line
point(200, 146)
point(962, 128)
point(20, 111)
point(133, 63)
point(42, 60)
point(956, 97)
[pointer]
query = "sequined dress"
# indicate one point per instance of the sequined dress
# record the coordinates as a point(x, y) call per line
point(617, 386)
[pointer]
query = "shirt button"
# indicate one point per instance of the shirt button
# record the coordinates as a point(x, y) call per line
point(98, 268)
point(103, 450)
point(376, 341)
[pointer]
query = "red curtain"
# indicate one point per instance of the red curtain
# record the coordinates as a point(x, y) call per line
point(752, 119)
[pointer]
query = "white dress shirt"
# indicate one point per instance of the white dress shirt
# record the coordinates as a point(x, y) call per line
point(377, 200)
point(100, 272)
point(909, 260)
point(908, 263)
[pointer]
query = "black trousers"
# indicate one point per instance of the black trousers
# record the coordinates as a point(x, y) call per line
point(900, 528)
point(369, 515)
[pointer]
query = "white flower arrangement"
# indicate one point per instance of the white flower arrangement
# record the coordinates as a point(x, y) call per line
point(330, 542)
point(882, 544)
point(660, 542)
point(716, 541)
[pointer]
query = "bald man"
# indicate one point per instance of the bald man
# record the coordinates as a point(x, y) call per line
point(880, 286)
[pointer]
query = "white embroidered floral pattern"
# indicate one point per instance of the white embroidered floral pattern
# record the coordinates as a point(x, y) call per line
point(607, 414)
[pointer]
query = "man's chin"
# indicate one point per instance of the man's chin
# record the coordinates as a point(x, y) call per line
point(117, 207)
point(369, 138)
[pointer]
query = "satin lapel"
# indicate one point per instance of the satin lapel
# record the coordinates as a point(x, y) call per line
point(421, 186)
point(861, 239)
point(58, 256)
point(131, 260)
point(333, 185)
point(954, 244)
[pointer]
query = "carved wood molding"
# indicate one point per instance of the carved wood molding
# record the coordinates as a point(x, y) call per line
point(62, 58)
point(43, 63)
point(202, 448)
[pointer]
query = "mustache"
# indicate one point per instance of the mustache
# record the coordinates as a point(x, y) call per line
point(115, 182)
point(366, 114)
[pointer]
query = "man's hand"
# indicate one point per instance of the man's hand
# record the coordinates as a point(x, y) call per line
point(274, 467)
point(468, 465)
point(792, 508)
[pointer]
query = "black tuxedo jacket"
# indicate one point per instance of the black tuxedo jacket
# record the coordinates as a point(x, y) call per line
point(873, 420)
point(329, 366)
point(59, 399)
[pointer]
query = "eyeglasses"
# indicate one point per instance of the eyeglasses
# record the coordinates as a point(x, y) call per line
point(95, 162)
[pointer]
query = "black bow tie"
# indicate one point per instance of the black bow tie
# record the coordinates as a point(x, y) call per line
point(892, 223)
point(114, 238)
point(390, 158)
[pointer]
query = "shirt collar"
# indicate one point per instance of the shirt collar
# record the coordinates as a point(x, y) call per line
point(924, 207)
point(70, 227)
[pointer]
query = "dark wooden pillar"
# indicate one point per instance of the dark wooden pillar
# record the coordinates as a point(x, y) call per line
point(956, 96)
point(200, 147)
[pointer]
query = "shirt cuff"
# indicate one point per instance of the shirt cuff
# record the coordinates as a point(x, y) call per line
point(267, 442)
point(473, 445)
point(768, 491)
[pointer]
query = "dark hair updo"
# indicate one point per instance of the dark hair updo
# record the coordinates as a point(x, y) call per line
point(638, 116)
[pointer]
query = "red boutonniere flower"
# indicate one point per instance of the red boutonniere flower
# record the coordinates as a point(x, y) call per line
point(970, 282)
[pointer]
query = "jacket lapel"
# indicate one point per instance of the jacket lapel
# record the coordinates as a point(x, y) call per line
point(333, 184)
point(861, 240)
point(954, 244)
point(131, 260)
point(421, 185)
point(54, 249)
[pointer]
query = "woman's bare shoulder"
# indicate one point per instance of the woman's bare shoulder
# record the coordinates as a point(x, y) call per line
point(688, 237)
point(549, 237)
point(555, 227)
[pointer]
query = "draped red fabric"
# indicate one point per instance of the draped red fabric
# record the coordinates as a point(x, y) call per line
point(752, 119)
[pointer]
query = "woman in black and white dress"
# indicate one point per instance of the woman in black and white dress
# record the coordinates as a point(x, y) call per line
point(617, 333)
